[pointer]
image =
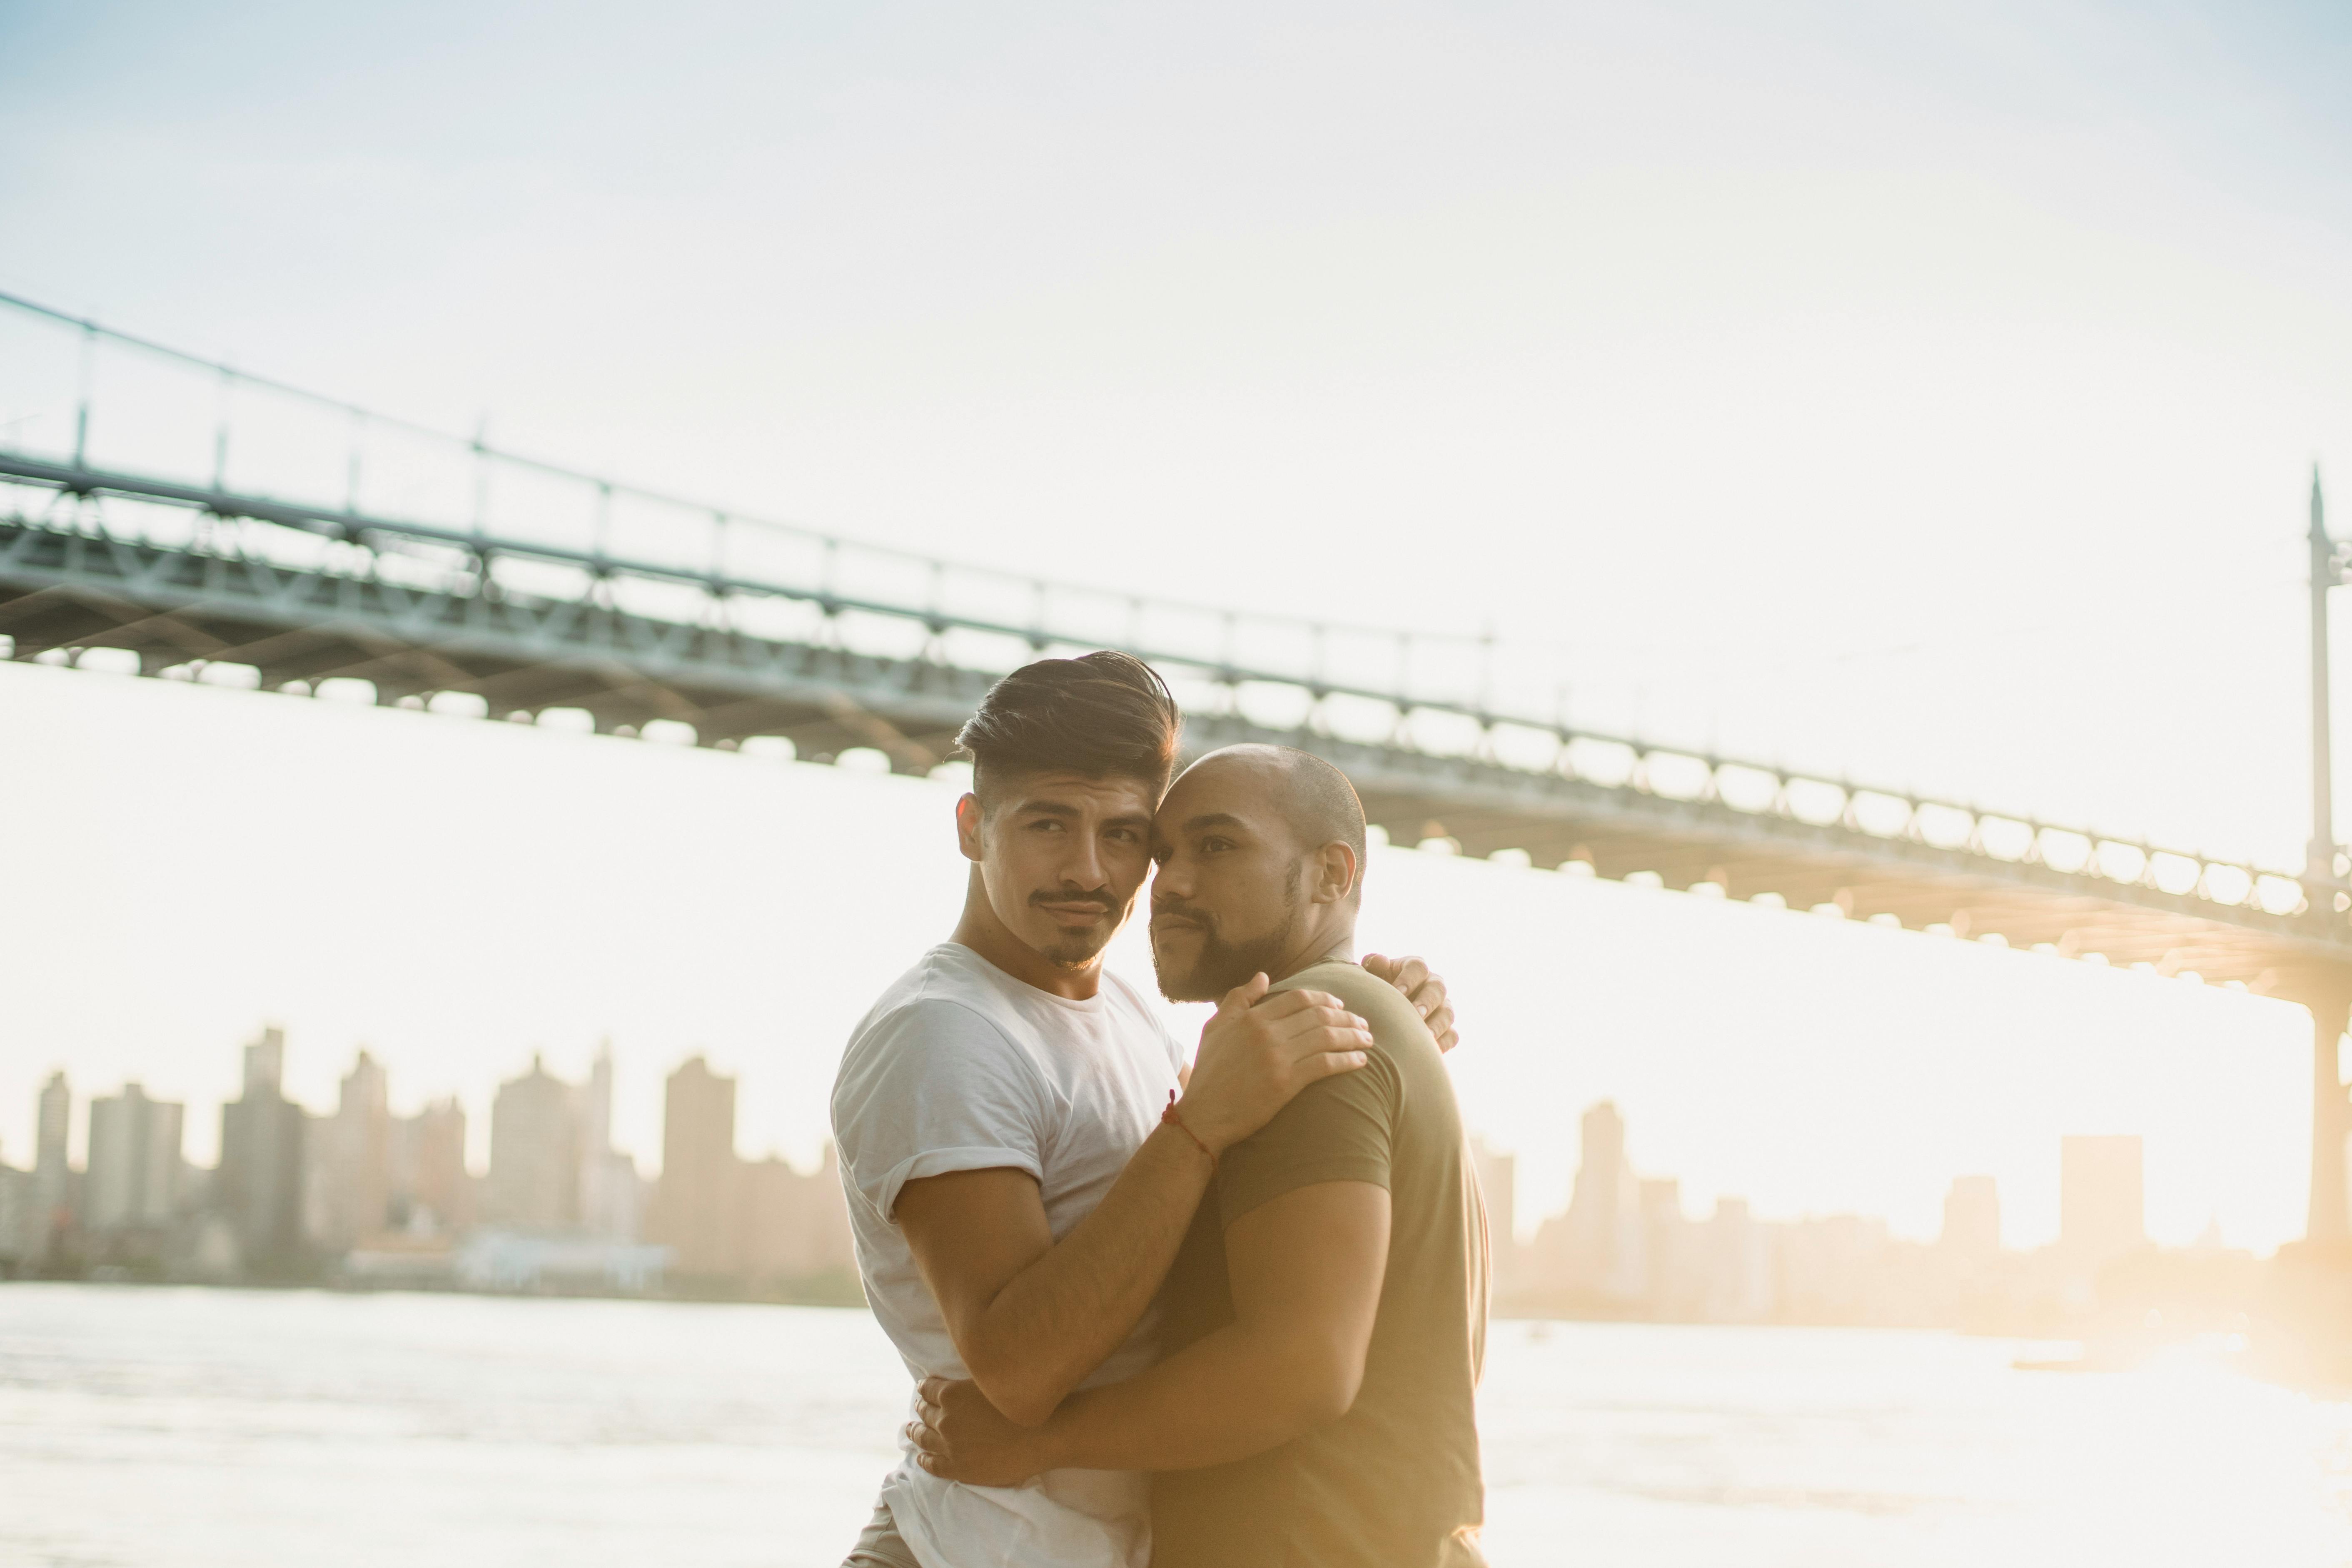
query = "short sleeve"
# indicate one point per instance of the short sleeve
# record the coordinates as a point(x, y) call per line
point(931, 1088)
point(1340, 1129)
point(1178, 1059)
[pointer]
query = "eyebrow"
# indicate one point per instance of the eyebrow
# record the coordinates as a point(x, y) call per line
point(1057, 808)
point(1212, 820)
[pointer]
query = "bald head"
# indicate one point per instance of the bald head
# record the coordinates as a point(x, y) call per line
point(1315, 799)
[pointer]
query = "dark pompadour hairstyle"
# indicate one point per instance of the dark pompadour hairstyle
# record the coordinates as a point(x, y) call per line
point(1103, 715)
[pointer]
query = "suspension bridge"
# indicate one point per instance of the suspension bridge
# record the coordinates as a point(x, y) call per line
point(166, 514)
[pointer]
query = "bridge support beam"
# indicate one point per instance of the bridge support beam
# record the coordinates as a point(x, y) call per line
point(2329, 1218)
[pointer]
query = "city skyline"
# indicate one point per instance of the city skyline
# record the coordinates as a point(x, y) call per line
point(364, 1196)
point(580, 1181)
point(1628, 1247)
point(359, 1193)
point(595, 1066)
point(577, 1059)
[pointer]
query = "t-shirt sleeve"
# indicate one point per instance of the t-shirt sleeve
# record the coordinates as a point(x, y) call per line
point(932, 1089)
point(1178, 1058)
point(1339, 1129)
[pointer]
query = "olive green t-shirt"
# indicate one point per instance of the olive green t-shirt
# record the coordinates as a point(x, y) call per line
point(1394, 1482)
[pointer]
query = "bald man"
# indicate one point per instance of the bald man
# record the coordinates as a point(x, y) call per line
point(1325, 1317)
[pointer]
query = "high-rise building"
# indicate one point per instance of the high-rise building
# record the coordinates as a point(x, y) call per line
point(611, 1192)
point(792, 1225)
point(595, 1114)
point(131, 1179)
point(265, 1061)
point(534, 1181)
point(1671, 1250)
point(1599, 1250)
point(20, 1227)
point(1738, 1253)
point(696, 1203)
point(53, 1183)
point(431, 1188)
point(830, 1243)
point(2101, 1207)
point(259, 1186)
point(1497, 1185)
point(350, 1186)
point(1972, 1235)
point(1827, 1265)
point(619, 1215)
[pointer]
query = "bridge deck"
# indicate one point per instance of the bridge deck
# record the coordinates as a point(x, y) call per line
point(414, 630)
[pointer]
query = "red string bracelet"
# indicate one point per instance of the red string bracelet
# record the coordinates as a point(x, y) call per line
point(1169, 1119)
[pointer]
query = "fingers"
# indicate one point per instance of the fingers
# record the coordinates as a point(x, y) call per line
point(1331, 1064)
point(1427, 994)
point(1407, 974)
point(1246, 994)
point(1284, 1004)
point(1413, 978)
point(1289, 1005)
point(926, 1440)
point(1324, 1029)
point(1301, 1024)
point(1312, 1008)
point(931, 1390)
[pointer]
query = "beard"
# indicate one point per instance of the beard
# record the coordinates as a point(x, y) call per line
point(1076, 948)
point(1224, 962)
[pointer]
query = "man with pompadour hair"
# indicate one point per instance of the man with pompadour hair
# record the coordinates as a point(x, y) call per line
point(1022, 1144)
point(1103, 713)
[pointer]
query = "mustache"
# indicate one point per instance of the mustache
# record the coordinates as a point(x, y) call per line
point(1183, 913)
point(1100, 900)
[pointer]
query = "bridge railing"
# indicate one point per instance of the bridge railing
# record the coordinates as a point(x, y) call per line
point(80, 395)
point(195, 453)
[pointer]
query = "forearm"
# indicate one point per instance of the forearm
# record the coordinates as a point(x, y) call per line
point(1056, 1320)
point(1238, 1392)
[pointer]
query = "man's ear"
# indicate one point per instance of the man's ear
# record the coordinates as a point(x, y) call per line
point(968, 827)
point(1334, 872)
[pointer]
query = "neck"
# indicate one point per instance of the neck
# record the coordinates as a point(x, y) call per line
point(981, 930)
point(1332, 936)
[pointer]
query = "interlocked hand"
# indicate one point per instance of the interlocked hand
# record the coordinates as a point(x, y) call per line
point(960, 1435)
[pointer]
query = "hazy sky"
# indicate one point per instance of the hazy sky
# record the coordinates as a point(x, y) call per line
point(1922, 392)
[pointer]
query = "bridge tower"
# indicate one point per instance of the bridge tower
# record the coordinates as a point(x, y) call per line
point(2328, 994)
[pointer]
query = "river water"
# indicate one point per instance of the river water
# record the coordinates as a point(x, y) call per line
point(190, 1429)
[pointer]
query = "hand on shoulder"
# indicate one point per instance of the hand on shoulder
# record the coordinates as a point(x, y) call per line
point(1424, 990)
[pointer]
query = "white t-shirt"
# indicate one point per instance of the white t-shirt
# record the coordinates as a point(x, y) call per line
point(960, 1067)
